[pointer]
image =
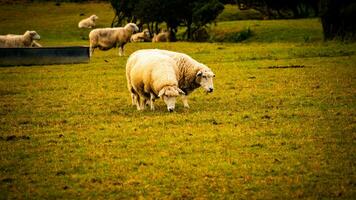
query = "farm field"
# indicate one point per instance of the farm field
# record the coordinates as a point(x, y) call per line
point(280, 124)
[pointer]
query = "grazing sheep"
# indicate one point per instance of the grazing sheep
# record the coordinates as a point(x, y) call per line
point(144, 36)
point(191, 76)
point(88, 22)
point(107, 38)
point(161, 37)
point(19, 41)
point(152, 75)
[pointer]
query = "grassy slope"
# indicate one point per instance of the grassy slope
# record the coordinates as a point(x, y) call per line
point(264, 133)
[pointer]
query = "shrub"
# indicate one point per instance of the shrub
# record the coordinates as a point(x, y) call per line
point(232, 37)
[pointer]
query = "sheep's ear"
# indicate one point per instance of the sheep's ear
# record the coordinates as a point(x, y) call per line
point(161, 92)
point(200, 73)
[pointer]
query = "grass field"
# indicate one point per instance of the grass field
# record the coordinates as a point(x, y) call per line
point(267, 132)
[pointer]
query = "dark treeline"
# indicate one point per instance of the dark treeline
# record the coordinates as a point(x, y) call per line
point(282, 8)
point(338, 19)
point(192, 14)
point(336, 15)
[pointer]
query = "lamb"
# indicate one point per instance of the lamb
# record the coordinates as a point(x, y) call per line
point(107, 38)
point(144, 36)
point(161, 37)
point(152, 75)
point(19, 41)
point(191, 74)
point(88, 22)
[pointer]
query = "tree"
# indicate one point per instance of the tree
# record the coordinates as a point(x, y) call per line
point(281, 8)
point(337, 18)
point(192, 14)
point(123, 11)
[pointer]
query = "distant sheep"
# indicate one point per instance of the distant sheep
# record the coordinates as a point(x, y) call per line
point(88, 22)
point(144, 36)
point(107, 38)
point(19, 41)
point(191, 74)
point(161, 37)
point(152, 75)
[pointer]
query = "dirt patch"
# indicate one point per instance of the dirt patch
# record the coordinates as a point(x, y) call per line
point(14, 138)
point(283, 67)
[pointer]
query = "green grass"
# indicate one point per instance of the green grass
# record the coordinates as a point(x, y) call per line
point(70, 132)
point(231, 13)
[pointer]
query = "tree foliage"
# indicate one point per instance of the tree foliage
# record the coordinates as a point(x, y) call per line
point(282, 8)
point(337, 16)
point(192, 14)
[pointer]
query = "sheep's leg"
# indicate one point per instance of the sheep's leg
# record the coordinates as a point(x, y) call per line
point(91, 50)
point(152, 99)
point(121, 50)
point(185, 101)
point(138, 100)
point(142, 103)
point(133, 99)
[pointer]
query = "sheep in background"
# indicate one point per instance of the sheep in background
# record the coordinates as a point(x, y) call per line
point(34, 43)
point(161, 37)
point(144, 36)
point(88, 22)
point(152, 75)
point(191, 76)
point(107, 38)
point(22, 41)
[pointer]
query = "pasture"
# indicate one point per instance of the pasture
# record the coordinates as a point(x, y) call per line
point(281, 123)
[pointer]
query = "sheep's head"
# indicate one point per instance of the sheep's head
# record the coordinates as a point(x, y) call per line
point(94, 17)
point(169, 95)
point(146, 32)
point(204, 78)
point(132, 27)
point(33, 34)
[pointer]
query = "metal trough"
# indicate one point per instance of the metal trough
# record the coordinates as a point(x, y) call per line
point(43, 55)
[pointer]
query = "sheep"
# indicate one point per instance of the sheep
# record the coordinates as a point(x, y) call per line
point(144, 36)
point(152, 75)
point(33, 44)
point(19, 41)
point(88, 22)
point(191, 76)
point(161, 37)
point(107, 38)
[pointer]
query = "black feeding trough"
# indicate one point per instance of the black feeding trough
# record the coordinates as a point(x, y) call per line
point(43, 55)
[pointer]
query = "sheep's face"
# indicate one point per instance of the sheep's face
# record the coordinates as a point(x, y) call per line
point(169, 95)
point(94, 17)
point(34, 35)
point(146, 33)
point(205, 79)
point(132, 26)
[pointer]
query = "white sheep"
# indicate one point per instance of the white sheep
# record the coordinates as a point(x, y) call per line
point(191, 75)
point(107, 38)
point(88, 22)
point(143, 36)
point(18, 41)
point(161, 37)
point(152, 75)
